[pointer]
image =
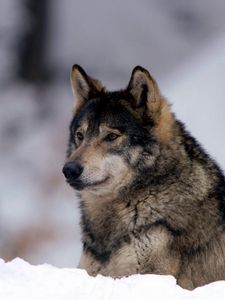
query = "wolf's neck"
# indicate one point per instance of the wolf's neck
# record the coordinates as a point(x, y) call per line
point(105, 224)
point(100, 210)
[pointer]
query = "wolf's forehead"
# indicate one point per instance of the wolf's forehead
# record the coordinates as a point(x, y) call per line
point(94, 125)
point(99, 112)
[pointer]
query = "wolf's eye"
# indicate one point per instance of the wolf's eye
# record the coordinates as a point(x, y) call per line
point(111, 137)
point(79, 136)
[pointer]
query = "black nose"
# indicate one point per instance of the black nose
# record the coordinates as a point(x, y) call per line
point(72, 170)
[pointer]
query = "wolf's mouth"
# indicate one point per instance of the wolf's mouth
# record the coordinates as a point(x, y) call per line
point(80, 185)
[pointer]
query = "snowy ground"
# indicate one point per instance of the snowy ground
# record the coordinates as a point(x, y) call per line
point(20, 280)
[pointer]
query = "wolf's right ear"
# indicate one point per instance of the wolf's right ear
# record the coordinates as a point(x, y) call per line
point(83, 86)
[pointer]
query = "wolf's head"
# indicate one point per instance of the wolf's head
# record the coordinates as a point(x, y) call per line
point(115, 137)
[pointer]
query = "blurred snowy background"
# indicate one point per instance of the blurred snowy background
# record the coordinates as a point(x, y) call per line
point(181, 42)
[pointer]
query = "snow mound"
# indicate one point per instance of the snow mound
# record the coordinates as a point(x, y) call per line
point(20, 280)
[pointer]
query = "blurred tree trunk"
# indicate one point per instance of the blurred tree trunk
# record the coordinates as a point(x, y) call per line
point(31, 50)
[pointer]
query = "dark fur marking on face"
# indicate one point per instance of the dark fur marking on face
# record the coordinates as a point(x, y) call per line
point(109, 109)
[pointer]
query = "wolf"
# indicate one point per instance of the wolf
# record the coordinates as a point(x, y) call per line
point(152, 201)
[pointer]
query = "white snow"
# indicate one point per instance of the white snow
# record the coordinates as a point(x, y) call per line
point(20, 280)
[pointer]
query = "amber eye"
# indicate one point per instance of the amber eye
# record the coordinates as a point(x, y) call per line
point(80, 136)
point(111, 137)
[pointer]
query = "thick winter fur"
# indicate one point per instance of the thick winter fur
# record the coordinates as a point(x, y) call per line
point(151, 199)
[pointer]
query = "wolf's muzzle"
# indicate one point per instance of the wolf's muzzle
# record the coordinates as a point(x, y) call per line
point(72, 170)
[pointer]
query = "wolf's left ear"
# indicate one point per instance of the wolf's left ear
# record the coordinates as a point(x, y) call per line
point(83, 86)
point(144, 89)
point(145, 93)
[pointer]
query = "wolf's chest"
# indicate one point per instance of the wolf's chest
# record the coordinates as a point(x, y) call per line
point(139, 254)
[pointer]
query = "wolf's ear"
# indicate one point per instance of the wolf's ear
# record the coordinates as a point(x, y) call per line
point(83, 86)
point(145, 92)
point(144, 89)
